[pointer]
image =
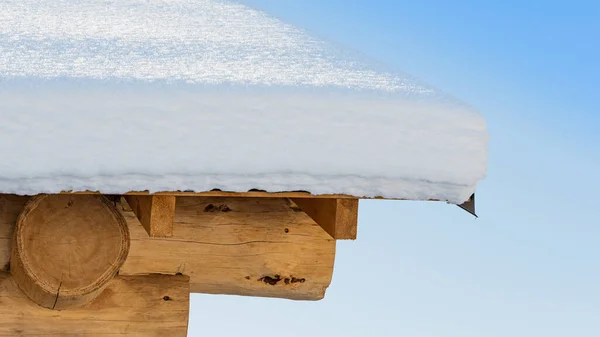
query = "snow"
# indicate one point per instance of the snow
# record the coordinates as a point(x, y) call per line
point(121, 96)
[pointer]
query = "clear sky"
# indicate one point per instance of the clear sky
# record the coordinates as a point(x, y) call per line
point(530, 265)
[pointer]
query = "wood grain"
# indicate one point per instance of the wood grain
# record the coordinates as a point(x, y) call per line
point(338, 217)
point(150, 306)
point(156, 213)
point(10, 208)
point(238, 246)
point(67, 248)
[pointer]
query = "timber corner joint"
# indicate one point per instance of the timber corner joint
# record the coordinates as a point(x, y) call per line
point(75, 254)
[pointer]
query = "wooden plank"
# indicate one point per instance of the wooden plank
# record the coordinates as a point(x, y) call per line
point(238, 246)
point(338, 217)
point(154, 305)
point(156, 213)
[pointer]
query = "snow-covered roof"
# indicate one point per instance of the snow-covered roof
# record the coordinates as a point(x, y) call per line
point(132, 95)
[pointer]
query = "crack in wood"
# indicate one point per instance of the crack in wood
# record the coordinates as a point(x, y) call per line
point(219, 244)
point(57, 294)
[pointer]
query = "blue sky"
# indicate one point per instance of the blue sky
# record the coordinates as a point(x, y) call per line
point(530, 265)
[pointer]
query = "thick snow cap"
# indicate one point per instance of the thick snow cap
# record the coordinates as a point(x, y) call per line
point(131, 95)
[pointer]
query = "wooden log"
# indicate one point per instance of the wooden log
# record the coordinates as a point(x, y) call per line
point(338, 217)
point(10, 208)
point(154, 305)
point(156, 213)
point(67, 248)
point(238, 246)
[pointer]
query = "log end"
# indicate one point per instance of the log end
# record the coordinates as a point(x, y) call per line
point(66, 250)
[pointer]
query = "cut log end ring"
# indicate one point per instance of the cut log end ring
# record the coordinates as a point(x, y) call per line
point(66, 249)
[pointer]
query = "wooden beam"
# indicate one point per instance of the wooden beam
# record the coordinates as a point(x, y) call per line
point(153, 305)
point(238, 246)
point(338, 217)
point(156, 213)
point(66, 249)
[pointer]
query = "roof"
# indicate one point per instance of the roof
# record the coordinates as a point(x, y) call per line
point(179, 95)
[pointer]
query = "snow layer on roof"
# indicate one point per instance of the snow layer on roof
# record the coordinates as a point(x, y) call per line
point(195, 95)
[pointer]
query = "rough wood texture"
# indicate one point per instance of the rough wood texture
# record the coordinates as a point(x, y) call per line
point(10, 208)
point(339, 217)
point(155, 305)
point(156, 213)
point(240, 251)
point(239, 246)
point(67, 248)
